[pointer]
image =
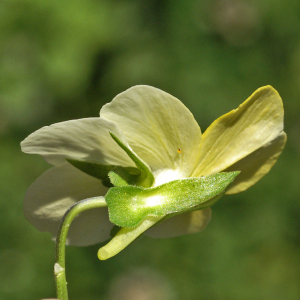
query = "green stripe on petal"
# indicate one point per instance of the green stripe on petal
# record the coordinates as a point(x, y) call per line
point(129, 206)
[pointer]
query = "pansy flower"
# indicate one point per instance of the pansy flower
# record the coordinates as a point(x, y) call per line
point(150, 135)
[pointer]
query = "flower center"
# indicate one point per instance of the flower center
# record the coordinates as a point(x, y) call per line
point(166, 175)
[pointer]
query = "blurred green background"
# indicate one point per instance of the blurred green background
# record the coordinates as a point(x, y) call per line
point(63, 59)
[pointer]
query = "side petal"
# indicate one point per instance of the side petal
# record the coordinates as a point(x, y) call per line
point(187, 223)
point(158, 127)
point(83, 139)
point(256, 165)
point(48, 198)
point(233, 136)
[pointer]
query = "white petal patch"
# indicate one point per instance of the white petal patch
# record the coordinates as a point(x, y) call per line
point(166, 175)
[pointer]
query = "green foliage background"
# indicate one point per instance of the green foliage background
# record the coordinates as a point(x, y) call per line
point(64, 59)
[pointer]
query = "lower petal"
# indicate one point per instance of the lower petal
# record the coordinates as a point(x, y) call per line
point(49, 197)
point(187, 223)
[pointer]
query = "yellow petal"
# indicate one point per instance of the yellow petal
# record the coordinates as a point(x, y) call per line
point(49, 197)
point(187, 223)
point(256, 165)
point(159, 128)
point(233, 136)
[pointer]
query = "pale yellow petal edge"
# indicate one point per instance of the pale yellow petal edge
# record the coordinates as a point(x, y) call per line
point(256, 165)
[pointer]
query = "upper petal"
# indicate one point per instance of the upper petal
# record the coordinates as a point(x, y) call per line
point(158, 127)
point(187, 223)
point(256, 165)
point(49, 197)
point(255, 123)
point(83, 139)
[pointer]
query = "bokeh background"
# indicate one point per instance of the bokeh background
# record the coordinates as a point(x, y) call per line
point(64, 59)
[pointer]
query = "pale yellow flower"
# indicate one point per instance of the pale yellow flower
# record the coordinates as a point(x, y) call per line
point(163, 133)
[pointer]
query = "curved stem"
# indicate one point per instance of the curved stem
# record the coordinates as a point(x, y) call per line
point(59, 266)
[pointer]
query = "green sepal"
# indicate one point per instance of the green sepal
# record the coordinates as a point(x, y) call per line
point(146, 179)
point(130, 205)
point(120, 177)
point(102, 171)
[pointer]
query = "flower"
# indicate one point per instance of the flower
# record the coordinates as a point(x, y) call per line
point(161, 133)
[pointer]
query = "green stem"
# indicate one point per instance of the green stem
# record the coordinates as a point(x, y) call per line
point(59, 267)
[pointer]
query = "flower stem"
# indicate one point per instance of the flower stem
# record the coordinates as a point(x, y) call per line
point(59, 266)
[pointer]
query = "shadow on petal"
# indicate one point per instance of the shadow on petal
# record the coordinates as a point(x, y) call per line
point(186, 223)
point(49, 197)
